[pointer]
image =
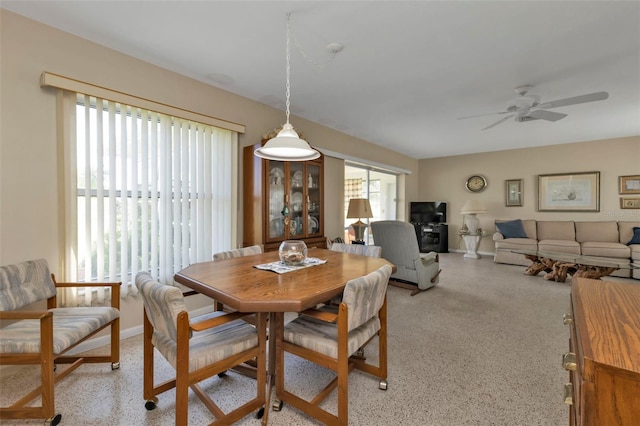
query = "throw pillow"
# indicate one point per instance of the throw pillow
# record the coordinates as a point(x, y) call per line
point(636, 236)
point(511, 229)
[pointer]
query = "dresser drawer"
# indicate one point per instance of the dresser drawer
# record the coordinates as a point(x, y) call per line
point(604, 347)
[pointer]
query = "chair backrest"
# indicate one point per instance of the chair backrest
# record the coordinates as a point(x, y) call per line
point(364, 296)
point(361, 249)
point(398, 241)
point(241, 252)
point(162, 303)
point(25, 283)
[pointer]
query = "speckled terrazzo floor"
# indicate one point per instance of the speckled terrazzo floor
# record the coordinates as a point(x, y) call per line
point(481, 348)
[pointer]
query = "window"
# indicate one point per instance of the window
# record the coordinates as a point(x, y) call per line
point(379, 186)
point(147, 192)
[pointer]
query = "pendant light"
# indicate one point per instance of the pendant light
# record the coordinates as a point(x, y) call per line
point(287, 145)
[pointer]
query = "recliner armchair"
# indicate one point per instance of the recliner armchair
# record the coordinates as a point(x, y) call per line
point(400, 247)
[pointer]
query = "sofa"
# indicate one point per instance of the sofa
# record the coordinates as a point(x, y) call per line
point(603, 239)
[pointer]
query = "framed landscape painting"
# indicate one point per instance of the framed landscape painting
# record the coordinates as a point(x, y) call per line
point(569, 192)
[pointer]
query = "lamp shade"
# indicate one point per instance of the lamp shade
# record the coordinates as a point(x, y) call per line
point(359, 207)
point(287, 146)
point(473, 207)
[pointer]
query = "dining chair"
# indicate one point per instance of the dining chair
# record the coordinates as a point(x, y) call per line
point(198, 348)
point(231, 254)
point(415, 271)
point(37, 331)
point(361, 249)
point(241, 252)
point(329, 339)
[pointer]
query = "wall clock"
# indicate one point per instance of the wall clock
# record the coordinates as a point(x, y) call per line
point(476, 183)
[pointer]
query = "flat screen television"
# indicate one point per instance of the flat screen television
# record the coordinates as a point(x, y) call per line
point(428, 212)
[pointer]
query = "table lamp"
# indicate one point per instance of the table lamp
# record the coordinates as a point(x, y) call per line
point(359, 208)
point(470, 209)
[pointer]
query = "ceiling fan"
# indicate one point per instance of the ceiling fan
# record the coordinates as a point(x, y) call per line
point(528, 107)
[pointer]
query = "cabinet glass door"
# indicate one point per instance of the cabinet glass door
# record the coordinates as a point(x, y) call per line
point(276, 199)
point(314, 199)
point(296, 200)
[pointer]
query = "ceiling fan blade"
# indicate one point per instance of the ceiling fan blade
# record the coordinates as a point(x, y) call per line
point(591, 97)
point(498, 122)
point(482, 115)
point(547, 115)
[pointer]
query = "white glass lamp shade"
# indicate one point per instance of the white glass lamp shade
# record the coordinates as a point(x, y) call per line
point(473, 207)
point(470, 209)
point(287, 146)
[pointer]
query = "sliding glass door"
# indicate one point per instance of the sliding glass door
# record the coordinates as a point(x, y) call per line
point(379, 186)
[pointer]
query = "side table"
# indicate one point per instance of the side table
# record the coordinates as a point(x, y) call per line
point(472, 241)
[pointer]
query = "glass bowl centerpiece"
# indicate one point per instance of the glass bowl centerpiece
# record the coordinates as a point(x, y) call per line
point(293, 252)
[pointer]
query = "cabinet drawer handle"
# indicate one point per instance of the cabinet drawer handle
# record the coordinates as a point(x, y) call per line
point(569, 361)
point(568, 394)
point(567, 319)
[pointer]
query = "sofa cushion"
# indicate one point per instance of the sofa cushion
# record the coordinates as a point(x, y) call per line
point(597, 231)
point(635, 251)
point(606, 249)
point(635, 239)
point(529, 226)
point(625, 229)
point(559, 246)
point(511, 229)
point(517, 244)
point(556, 230)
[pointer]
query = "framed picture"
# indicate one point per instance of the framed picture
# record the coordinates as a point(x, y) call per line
point(630, 184)
point(569, 192)
point(629, 203)
point(514, 192)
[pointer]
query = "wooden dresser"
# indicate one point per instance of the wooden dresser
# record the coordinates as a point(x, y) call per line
point(604, 357)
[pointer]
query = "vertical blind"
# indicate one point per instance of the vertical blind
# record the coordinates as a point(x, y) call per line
point(147, 192)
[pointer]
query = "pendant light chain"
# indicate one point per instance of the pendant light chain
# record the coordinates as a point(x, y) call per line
point(288, 92)
point(287, 144)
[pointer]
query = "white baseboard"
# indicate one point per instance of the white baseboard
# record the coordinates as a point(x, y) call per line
point(482, 253)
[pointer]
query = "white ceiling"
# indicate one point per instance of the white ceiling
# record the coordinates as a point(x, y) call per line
point(408, 69)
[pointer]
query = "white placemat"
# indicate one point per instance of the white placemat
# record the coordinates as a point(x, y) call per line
point(281, 268)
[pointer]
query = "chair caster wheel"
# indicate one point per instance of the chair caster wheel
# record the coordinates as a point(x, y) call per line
point(150, 405)
point(222, 374)
point(383, 385)
point(53, 421)
point(115, 366)
point(277, 405)
point(260, 413)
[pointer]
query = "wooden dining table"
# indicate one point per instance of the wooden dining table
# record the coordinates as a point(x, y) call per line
point(237, 284)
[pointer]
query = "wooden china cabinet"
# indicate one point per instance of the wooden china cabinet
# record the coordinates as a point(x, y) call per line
point(283, 200)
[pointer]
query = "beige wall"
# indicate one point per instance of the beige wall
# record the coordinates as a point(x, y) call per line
point(442, 179)
point(29, 210)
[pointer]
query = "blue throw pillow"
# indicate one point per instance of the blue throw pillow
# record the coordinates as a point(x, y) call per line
point(512, 229)
point(636, 236)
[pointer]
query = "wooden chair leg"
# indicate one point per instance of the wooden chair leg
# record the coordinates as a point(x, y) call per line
point(182, 370)
point(148, 366)
point(46, 368)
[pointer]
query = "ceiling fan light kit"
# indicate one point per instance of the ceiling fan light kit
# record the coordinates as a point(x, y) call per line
point(528, 107)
